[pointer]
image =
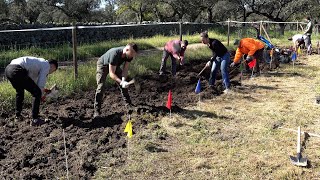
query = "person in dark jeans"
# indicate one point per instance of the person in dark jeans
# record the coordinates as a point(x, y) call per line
point(220, 59)
point(29, 73)
point(175, 49)
point(109, 63)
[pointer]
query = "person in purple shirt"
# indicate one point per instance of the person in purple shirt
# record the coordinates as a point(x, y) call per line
point(175, 49)
point(29, 73)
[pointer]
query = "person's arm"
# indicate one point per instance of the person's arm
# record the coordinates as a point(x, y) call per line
point(42, 78)
point(182, 57)
point(214, 54)
point(112, 73)
point(125, 70)
point(238, 56)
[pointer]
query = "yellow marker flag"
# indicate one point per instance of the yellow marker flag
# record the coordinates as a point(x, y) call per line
point(128, 129)
point(299, 50)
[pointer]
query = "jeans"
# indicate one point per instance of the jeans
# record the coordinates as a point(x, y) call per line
point(222, 62)
point(165, 56)
point(20, 81)
point(102, 72)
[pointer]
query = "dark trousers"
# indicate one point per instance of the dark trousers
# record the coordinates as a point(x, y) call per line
point(21, 81)
point(102, 72)
point(165, 56)
point(258, 55)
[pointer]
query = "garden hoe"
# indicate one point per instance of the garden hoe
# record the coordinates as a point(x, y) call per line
point(299, 160)
point(205, 67)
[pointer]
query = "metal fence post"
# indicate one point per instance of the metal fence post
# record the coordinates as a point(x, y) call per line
point(74, 49)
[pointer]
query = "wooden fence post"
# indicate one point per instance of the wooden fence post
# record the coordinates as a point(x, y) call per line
point(228, 31)
point(74, 49)
point(180, 30)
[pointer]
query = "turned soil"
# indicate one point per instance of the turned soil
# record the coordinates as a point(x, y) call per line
point(38, 152)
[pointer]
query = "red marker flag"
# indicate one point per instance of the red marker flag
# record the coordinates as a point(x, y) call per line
point(169, 102)
point(252, 63)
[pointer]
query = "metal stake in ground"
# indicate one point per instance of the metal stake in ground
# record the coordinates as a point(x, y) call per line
point(299, 160)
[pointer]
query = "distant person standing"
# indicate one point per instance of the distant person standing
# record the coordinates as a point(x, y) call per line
point(308, 32)
point(175, 49)
point(220, 60)
point(30, 73)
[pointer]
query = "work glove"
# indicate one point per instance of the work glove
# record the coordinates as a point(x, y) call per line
point(249, 58)
point(124, 84)
point(47, 91)
point(208, 64)
point(232, 64)
point(43, 99)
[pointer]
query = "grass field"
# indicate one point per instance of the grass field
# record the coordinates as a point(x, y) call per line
point(233, 136)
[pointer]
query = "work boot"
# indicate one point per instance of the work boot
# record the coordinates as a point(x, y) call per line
point(37, 122)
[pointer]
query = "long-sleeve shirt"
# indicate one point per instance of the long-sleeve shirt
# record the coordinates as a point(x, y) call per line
point(174, 47)
point(247, 46)
point(37, 68)
point(217, 48)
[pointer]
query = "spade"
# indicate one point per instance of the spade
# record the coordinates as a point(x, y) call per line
point(299, 160)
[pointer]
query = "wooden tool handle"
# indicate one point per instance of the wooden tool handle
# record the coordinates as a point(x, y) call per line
point(298, 140)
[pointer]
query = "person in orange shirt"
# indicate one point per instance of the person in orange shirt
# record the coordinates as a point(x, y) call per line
point(252, 48)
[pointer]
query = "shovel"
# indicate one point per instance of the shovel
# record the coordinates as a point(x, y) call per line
point(205, 67)
point(299, 160)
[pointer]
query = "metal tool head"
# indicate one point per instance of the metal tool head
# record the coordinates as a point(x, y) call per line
point(302, 162)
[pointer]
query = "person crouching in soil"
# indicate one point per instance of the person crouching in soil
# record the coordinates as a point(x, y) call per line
point(253, 49)
point(30, 73)
point(110, 63)
point(175, 49)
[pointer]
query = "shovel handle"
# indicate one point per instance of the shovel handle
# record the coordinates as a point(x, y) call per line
point(298, 140)
point(205, 67)
point(131, 82)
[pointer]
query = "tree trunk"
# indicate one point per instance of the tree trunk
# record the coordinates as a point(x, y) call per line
point(282, 26)
point(210, 16)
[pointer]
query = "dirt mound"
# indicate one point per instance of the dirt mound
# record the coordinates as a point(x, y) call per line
point(38, 152)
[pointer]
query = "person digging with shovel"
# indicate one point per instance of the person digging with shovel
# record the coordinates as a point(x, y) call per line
point(253, 49)
point(175, 49)
point(109, 63)
point(30, 73)
point(220, 59)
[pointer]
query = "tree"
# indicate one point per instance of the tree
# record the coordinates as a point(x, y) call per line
point(75, 9)
point(278, 10)
point(139, 7)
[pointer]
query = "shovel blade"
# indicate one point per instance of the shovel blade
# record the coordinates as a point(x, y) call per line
point(303, 162)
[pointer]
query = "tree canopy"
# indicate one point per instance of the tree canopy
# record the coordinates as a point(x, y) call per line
point(63, 11)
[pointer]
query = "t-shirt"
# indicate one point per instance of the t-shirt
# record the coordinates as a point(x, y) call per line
point(38, 68)
point(114, 57)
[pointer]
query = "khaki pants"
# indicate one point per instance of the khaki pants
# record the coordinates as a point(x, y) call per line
point(101, 76)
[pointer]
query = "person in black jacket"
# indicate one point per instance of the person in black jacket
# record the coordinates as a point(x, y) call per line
point(220, 58)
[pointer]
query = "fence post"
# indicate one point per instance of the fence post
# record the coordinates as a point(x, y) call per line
point(261, 27)
point(74, 49)
point(297, 27)
point(228, 31)
point(180, 30)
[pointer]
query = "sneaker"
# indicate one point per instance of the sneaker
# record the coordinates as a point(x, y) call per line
point(226, 91)
point(18, 118)
point(37, 122)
